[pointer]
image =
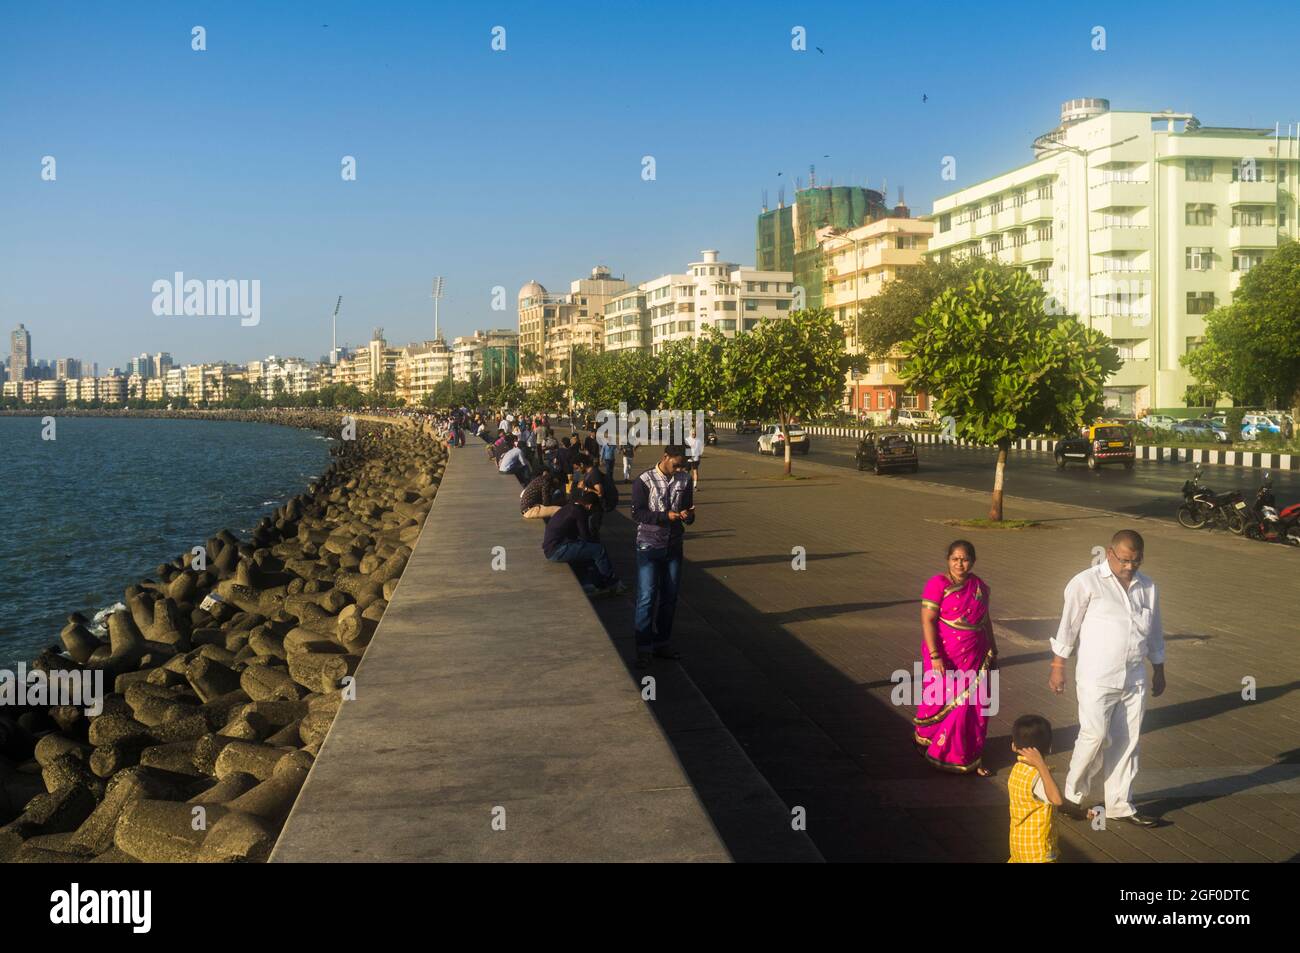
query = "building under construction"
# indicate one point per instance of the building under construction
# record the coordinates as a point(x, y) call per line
point(787, 237)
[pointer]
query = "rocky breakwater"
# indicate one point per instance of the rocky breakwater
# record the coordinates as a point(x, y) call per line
point(226, 670)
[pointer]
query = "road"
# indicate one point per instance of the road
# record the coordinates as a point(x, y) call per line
point(1148, 490)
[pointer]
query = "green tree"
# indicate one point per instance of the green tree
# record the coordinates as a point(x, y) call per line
point(1002, 368)
point(1252, 346)
point(547, 394)
point(631, 377)
point(785, 369)
point(692, 371)
point(887, 319)
point(529, 362)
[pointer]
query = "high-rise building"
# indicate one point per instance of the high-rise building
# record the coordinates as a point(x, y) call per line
point(20, 353)
point(787, 235)
point(1138, 222)
point(160, 364)
point(492, 355)
point(857, 263)
point(66, 368)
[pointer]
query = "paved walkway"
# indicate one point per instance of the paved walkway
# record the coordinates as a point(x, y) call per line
point(798, 664)
point(488, 689)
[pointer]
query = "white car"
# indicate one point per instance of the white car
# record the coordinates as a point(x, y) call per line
point(1158, 421)
point(772, 441)
point(917, 418)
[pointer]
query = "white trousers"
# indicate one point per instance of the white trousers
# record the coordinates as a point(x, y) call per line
point(1109, 722)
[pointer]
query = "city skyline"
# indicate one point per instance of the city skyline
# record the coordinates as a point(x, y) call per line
point(493, 170)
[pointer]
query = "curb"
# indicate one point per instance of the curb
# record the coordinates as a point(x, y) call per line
point(1229, 458)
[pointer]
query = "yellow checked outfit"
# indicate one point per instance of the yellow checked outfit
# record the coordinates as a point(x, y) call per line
point(1033, 818)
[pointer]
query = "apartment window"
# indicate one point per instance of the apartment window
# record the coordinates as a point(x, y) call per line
point(1043, 233)
point(1199, 170)
point(1248, 215)
point(762, 286)
point(995, 243)
point(751, 323)
point(1119, 218)
point(905, 241)
point(1244, 261)
point(1018, 198)
point(995, 206)
point(909, 402)
point(1281, 216)
point(726, 305)
point(880, 400)
point(1044, 190)
point(1042, 273)
point(727, 324)
point(1200, 259)
point(1199, 213)
point(1247, 170)
point(1200, 302)
point(783, 304)
point(751, 304)
point(945, 222)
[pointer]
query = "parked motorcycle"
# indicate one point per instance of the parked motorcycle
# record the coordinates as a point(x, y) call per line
point(1202, 506)
point(1266, 523)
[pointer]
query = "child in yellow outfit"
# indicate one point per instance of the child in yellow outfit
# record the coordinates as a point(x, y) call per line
point(1033, 793)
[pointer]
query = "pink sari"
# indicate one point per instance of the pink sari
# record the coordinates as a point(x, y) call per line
point(950, 725)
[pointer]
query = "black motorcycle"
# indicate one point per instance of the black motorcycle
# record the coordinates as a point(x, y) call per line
point(1202, 506)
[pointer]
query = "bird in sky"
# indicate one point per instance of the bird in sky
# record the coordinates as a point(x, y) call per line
point(820, 50)
point(925, 98)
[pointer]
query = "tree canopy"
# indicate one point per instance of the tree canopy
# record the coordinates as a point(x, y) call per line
point(1003, 368)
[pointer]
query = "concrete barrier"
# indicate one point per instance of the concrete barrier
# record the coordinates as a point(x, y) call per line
point(493, 719)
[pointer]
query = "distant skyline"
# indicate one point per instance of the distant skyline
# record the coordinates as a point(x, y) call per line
point(496, 168)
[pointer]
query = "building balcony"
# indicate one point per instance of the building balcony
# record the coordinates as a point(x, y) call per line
point(1120, 238)
point(1038, 250)
point(1252, 236)
point(1252, 193)
point(1034, 210)
point(1119, 195)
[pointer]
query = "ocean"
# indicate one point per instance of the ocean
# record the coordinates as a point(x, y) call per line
point(100, 506)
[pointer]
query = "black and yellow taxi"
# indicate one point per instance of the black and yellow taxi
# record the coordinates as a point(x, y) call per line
point(1105, 441)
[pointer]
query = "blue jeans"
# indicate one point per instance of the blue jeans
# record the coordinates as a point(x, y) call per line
point(590, 559)
point(658, 572)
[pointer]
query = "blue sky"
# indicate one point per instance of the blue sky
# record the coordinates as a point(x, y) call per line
point(493, 168)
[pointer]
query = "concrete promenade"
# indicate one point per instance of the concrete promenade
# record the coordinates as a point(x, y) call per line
point(493, 698)
point(797, 663)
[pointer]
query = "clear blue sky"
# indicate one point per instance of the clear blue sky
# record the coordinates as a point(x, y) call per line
point(494, 168)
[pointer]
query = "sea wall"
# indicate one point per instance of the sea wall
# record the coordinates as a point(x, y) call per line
point(224, 671)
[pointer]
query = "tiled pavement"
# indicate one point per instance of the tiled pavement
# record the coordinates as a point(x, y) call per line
point(797, 664)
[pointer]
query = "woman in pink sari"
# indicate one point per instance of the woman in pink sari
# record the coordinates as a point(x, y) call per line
point(950, 725)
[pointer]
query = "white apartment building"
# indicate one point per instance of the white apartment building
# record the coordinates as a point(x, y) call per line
point(1138, 222)
point(680, 307)
point(421, 368)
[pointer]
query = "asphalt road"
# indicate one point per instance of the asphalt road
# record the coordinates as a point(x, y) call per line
point(1150, 489)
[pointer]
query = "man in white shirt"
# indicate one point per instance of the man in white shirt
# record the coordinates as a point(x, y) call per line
point(1112, 617)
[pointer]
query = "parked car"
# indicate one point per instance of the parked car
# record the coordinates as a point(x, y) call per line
point(772, 440)
point(1159, 421)
point(1201, 429)
point(1102, 442)
point(749, 426)
point(887, 450)
point(917, 418)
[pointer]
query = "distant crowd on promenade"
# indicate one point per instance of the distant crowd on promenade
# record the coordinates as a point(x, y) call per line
point(568, 480)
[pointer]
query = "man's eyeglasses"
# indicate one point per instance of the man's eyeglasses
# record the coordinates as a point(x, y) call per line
point(1135, 562)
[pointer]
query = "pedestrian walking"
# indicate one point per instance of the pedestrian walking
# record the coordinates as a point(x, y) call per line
point(662, 507)
point(629, 452)
point(695, 451)
point(957, 650)
point(1032, 793)
point(1112, 619)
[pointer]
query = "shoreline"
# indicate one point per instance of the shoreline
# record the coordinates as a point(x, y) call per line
point(224, 670)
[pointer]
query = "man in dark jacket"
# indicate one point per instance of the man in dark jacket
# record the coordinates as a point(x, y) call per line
point(568, 540)
point(662, 507)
